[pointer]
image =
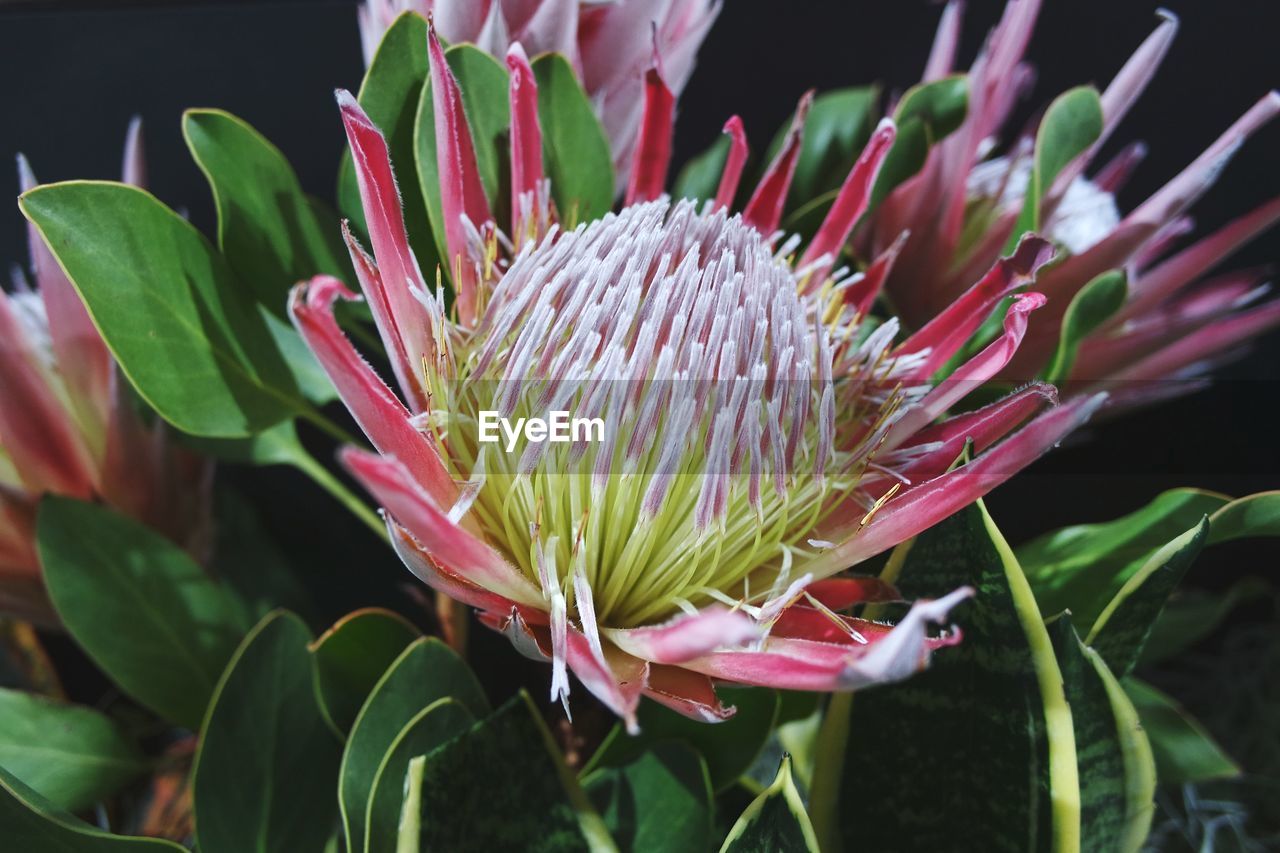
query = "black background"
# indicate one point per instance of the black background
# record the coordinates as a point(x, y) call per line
point(75, 72)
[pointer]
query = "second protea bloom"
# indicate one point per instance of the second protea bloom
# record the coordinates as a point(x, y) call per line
point(736, 434)
point(608, 43)
point(69, 427)
point(961, 209)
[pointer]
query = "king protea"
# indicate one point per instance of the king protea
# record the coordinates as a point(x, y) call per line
point(960, 210)
point(760, 436)
point(69, 427)
point(608, 43)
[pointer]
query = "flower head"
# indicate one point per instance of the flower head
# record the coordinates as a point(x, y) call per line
point(610, 44)
point(759, 435)
point(68, 426)
point(961, 209)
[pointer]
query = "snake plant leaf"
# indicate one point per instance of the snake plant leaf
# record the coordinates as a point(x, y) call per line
point(505, 765)
point(483, 82)
point(351, 656)
point(837, 127)
point(775, 822)
point(575, 149)
point(1089, 309)
point(426, 671)
point(32, 823)
point(72, 755)
point(1082, 568)
point(926, 114)
point(1184, 751)
point(1117, 773)
point(138, 605)
point(1071, 125)
point(1121, 630)
point(185, 332)
point(661, 802)
point(729, 748)
point(994, 705)
point(389, 95)
point(271, 233)
point(431, 727)
point(266, 766)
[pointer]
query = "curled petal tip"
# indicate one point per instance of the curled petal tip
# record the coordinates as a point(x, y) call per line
point(1168, 17)
point(733, 126)
point(516, 56)
point(26, 178)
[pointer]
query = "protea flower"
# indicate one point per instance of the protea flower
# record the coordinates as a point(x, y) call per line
point(961, 209)
point(758, 435)
point(609, 44)
point(69, 427)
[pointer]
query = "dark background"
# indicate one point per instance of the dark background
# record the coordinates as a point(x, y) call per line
point(75, 72)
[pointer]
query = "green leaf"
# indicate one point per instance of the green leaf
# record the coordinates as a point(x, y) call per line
point(1121, 630)
point(575, 149)
point(994, 705)
point(1193, 615)
point(138, 605)
point(700, 177)
point(926, 115)
point(264, 773)
point(1254, 515)
point(34, 825)
point(270, 232)
point(389, 95)
point(483, 82)
point(350, 658)
point(1069, 128)
point(1117, 773)
point(1090, 308)
point(249, 563)
point(72, 755)
point(661, 802)
point(186, 334)
point(1082, 568)
point(729, 748)
point(424, 672)
point(837, 127)
point(775, 822)
point(1184, 751)
point(501, 785)
point(435, 724)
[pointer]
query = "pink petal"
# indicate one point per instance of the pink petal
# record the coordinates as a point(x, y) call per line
point(1113, 176)
point(733, 164)
point(134, 169)
point(380, 414)
point(862, 293)
point(526, 135)
point(461, 191)
point(424, 568)
point(687, 636)
point(397, 267)
point(944, 335)
point(460, 20)
point(687, 693)
point(1213, 340)
point(920, 507)
point(452, 546)
point(764, 210)
point(35, 430)
point(850, 203)
point(653, 153)
point(969, 375)
point(942, 56)
point(841, 593)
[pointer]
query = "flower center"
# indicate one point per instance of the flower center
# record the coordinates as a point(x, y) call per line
point(703, 384)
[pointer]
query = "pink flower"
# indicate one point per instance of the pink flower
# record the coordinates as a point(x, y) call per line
point(610, 44)
point(69, 427)
point(758, 435)
point(961, 209)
